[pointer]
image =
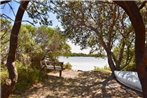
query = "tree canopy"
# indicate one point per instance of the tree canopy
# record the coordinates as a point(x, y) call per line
point(101, 26)
point(83, 21)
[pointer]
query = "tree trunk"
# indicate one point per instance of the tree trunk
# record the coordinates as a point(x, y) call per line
point(108, 51)
point(133, 12)
point(143, 73)
point(110, 61)
point(111, 65)
point(8, 87)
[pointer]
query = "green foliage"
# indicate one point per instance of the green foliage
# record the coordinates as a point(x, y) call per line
point(130, 67)
point(38, 11)
point(103, 70)
point(3, 76)
point(85, 55)
point(97, 25)
point(67, 66)
point(26, 77)
point(33, 45)
point(127, 61)
point(38, 43)
point(4, 38)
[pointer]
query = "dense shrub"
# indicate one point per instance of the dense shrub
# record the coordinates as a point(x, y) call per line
point(3, 76)
point(26, 77)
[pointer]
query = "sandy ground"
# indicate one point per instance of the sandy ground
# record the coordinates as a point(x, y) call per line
point(78, 84)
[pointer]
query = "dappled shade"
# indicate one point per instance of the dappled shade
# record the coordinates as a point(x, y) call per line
point(85, 85)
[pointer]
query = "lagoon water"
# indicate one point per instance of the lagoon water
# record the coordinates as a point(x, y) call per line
point(84, 63)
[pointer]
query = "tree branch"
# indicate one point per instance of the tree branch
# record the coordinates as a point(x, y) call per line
point(11, 9)
point(5, 16)
point(142, 5)
point(4, 1)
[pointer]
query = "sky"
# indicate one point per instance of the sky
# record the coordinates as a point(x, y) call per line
point(5, 9)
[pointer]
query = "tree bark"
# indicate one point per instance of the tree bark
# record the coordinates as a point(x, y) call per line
point(136, 19)
point(110, 61)
point(111, 64)
point(8, 87)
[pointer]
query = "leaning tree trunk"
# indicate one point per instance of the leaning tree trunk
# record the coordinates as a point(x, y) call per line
point(8, 87)
point(133, 12)
point(143, 71)
point(111, 62)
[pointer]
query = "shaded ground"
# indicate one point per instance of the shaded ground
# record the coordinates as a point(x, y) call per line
point(77, 84)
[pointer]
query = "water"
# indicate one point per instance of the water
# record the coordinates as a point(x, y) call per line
point(84, 63)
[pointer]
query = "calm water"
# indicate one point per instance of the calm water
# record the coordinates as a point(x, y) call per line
point(84, 63)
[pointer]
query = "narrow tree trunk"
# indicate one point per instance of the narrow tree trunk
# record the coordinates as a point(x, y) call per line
point(133, 11)
point(8, 87)
point(110, 61)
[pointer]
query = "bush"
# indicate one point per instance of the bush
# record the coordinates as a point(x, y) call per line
point(68, 66)
point(3, 76)
point(103, 70)
point(130, 67)
point(26, 77)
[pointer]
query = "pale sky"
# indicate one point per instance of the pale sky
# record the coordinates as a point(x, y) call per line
point(76, 48)
point(8, 12)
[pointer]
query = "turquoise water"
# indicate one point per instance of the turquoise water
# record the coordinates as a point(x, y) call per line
point(84, 63)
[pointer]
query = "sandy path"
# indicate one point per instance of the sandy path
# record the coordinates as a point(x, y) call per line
point(67, 74)
point(77, 84)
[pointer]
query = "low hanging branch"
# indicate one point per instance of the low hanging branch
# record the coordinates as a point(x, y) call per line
point(4, 1)
point(7, 17)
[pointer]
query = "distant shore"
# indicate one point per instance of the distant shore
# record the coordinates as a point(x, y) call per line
point(84, 55)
